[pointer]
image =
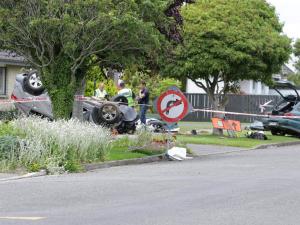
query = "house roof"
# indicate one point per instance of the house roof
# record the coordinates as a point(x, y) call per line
point(11, 58)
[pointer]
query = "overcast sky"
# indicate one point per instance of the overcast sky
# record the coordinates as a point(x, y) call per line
point(288, 14)
point(288, 11)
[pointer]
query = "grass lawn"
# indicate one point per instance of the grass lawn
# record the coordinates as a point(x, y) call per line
point(123, 153)
point(119, 152)
point(189, 126)
point(235, 142)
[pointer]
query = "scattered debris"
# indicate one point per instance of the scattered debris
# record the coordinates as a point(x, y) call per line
point(194, 132)
point(259, 135)
point(177, 153)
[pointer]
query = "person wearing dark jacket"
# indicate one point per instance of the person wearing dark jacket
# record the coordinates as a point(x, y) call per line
point(143, 100)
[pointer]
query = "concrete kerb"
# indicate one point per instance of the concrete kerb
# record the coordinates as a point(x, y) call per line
point(149, 159)
point(260, 147)
point(284, 144)
point(28, 175)
point(95, 166)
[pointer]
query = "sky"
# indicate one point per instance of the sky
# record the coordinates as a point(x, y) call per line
point(288, 11)
point(288, 14)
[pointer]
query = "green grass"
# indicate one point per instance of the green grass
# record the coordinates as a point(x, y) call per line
point(122, 153)
point(122, 149)
point(189, 126)
point(241, 141)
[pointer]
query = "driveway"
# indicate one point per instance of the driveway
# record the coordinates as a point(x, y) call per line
point(258, 187)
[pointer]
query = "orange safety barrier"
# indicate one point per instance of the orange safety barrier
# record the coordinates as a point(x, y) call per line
point(233, 125)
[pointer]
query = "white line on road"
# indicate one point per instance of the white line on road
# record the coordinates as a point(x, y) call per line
point(21, 218)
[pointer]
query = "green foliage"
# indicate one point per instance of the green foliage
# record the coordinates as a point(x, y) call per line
point(228, 41)
point(6, 129)
point(297, 54)
point(34, 167)
point(295, 78)
point(63, 38)
point(110, 87)
point(155, 83)
point(35, 144)
point(8, 115)
point(72, 163)
point(297, 48)
point(9, 146)
point(96, 74)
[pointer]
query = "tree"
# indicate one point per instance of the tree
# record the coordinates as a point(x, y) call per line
point(225, 41)
point(155, 82)
point(295, 77)
point(297, 54)
point(59, 38)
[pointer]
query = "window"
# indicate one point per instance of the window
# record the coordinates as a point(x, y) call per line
point(2, 81)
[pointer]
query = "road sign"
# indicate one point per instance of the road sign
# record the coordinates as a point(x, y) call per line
point(172, 106)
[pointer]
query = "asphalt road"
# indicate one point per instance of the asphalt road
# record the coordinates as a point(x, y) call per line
point(259, 187)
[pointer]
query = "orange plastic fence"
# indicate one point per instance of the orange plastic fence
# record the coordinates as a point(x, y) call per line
point(234, 125)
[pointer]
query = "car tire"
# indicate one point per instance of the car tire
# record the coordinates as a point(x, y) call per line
point(106, 114)
point(278, 133)
point(33, 85)
point(274, 132)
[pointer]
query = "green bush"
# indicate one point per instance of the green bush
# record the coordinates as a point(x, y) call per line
point(61, 145)
point(34, 167)
point(110, 87)
point(9, 147)
point(6, 129)
point(8, 115)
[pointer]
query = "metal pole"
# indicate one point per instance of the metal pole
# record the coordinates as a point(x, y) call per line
point(95, 81)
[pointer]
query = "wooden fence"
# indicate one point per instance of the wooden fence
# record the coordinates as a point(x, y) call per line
point(236, 103)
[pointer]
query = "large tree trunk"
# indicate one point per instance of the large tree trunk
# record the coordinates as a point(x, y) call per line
point(61, 85)
point(217, 105)
point(62, 102)
point(78, 102)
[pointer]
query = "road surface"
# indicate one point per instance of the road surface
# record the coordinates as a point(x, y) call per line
point(260, 187)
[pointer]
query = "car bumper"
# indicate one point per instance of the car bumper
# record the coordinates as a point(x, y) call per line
point(281, 124)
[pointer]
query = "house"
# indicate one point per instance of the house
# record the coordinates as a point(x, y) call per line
point(10, 65)
point(247, 87)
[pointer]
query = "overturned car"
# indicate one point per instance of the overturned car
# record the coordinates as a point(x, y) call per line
point(114, 114)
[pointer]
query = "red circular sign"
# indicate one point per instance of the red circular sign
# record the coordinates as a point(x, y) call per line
point(172, 106)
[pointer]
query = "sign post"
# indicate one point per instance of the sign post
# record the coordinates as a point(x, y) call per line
point(172, 106)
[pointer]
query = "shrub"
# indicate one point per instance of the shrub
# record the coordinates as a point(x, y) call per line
point(8, 115)
point(60, 144)
point(6, 129)
point(9, 151)
point(9, 146)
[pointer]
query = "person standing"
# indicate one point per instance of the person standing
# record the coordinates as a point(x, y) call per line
point(101, 92)
point(126, 92)
point(143, 100)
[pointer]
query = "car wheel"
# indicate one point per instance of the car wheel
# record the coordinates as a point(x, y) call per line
point(274, 132)
point(33, 84)
point(277, 133)
point(107, 113)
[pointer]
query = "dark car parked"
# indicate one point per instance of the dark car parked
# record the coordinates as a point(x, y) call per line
point(113, 114)
point(289, 107)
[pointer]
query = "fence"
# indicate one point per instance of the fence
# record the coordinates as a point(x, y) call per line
point(236, 103)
